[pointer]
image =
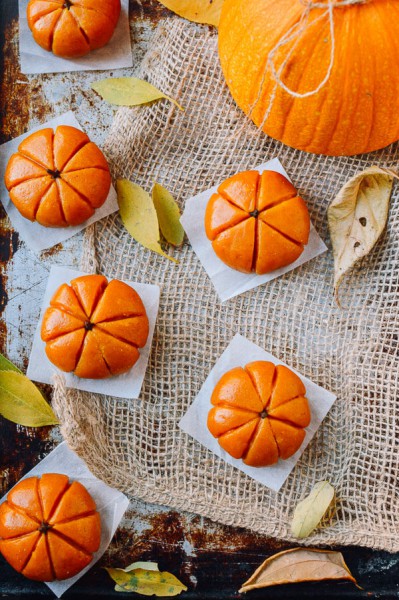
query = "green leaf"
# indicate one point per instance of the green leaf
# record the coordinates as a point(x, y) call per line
point(146, 580)
point(22, 402)
point(168, 215)
point(312, 509)
point(139, 215)
point(129, 91)
point(7, 365)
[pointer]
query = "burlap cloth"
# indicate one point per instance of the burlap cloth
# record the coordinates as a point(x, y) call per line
point(136, 445)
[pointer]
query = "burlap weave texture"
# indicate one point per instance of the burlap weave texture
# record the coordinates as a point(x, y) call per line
point(137, 445)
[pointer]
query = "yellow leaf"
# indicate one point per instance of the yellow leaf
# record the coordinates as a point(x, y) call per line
point(7, 365)
point(129, 91)
point(199, 11)
point(357, 218)
point(297, 565)
point(312, 509)
point(139, 215)
point(146, 579)
point(168, 215)
point(22, 402)
point(149, 566)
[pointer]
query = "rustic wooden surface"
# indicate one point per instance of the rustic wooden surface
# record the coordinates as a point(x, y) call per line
point(211, 559)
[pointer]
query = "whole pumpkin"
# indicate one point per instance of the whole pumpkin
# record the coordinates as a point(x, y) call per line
point(95, 328)
point(49, 527)
point(259, 413)
point(72, 28)
point(355, 111)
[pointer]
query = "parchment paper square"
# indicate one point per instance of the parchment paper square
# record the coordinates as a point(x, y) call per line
point(239, 352)
point(115, 55)
point(36, 236)
point(127, 385)
point(229, 282)
point(111, 504)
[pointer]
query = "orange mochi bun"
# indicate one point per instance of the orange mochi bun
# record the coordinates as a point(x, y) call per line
point(259, 413)
point(72, 28)
point(49, 527)
point(257, 222)
point(94, 328)
point(58, 178)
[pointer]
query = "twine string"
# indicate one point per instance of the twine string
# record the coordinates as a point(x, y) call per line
point(294, 34)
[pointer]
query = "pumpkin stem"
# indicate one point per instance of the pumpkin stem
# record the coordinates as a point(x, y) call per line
point(55, 174)
point(254, 213)
point(44, 527)
point(263, 414)
point(89, 326)
point(67, 4)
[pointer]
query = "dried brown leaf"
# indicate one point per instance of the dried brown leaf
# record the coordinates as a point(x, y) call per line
point(357, 217)
point(298, 565)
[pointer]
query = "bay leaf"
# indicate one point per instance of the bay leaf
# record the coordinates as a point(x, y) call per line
point(146, 579)
point(129, 91)
point(7, 365)
point(298, 565)
point(22, 402)
point(199, 11)
point(168, 213)
point(357, 217)
point(310, 511)
point(139, 215)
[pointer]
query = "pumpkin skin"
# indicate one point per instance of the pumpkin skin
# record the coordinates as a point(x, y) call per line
point(257, 222)
point(259, 413)
point(72, 28)
point(49, 527)
point(95, 328)
point(58, 179)
point(355, 112)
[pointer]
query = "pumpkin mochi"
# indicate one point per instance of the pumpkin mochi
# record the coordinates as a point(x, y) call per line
point(49, 527)
point(72, 28)
point(94, 328)
point(259, 413)
point(257, 223)
point(58, 178)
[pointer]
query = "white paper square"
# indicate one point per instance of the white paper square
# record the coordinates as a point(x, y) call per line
point(115, 55)
point(239, 352)
point(229, 282)
point(127, 385)
point(36, 236)
point(111, 504)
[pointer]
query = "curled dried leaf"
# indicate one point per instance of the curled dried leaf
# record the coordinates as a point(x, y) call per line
point(199, 11)
point(146, 579)
point(357, 217)
point(129, 91)
point(168, 215)
point(139, 215)
point(298, 565)
point(22, 402)
point(310, 511)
